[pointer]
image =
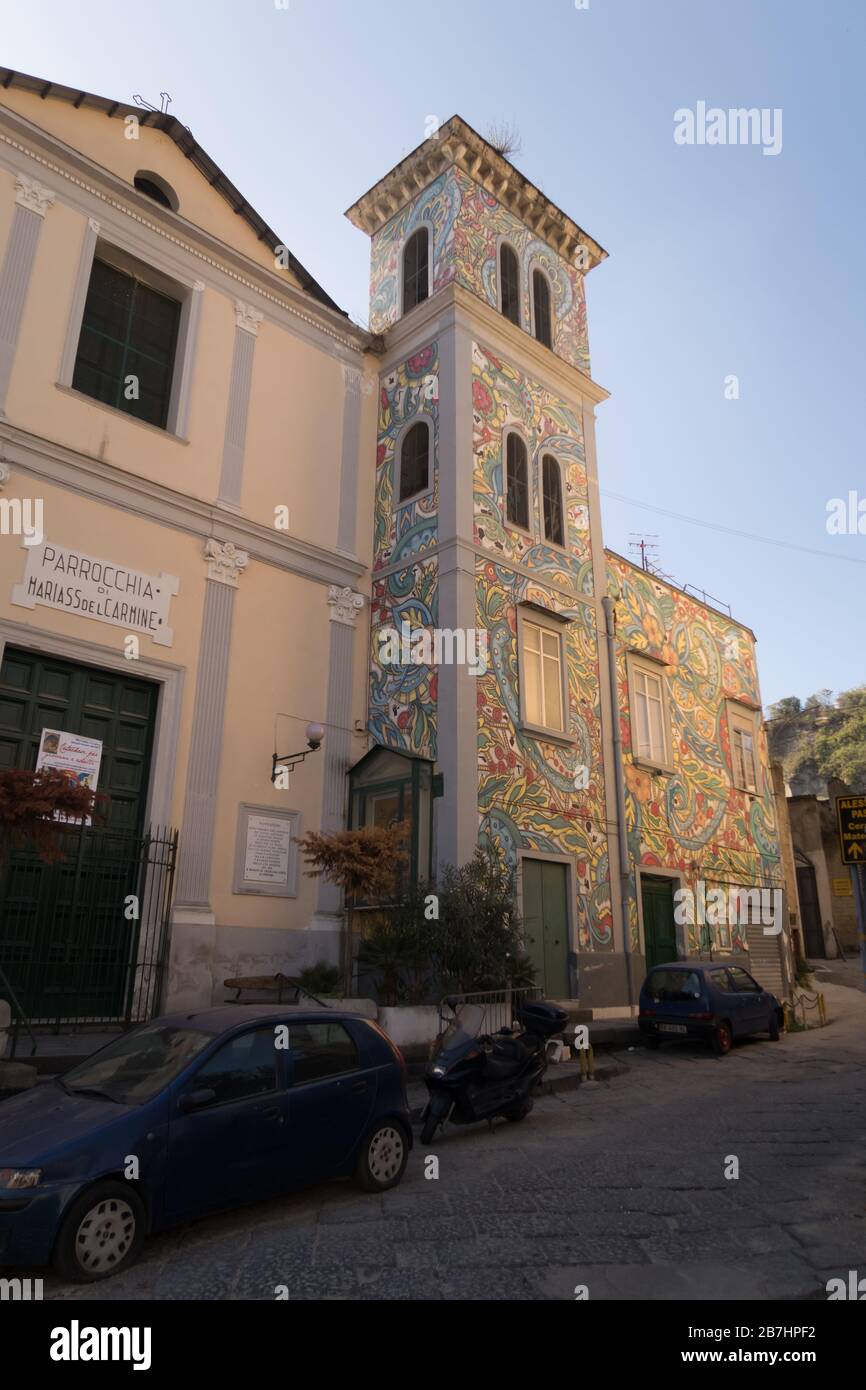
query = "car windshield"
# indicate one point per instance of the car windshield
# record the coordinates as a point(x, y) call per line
point(464, 1026)
point(674, 984)
point(139, 1065)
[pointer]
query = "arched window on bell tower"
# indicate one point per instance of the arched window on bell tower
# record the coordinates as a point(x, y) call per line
point(516, 481)
point(551, 498)
point(509, 283)
point(416, 272)
point(541, 316)
point(415, 461)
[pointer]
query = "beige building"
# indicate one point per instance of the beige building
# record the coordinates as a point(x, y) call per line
point(185, 534)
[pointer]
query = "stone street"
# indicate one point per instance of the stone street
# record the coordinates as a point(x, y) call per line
point(618, 1186)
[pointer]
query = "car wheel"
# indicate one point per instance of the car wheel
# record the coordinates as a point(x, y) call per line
point(774, 1030)
point(101, 1234)
point(383, 1157)
point(722, 1039)
point(652, 1043)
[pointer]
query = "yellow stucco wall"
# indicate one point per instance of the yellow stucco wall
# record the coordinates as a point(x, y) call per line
point(102, 140)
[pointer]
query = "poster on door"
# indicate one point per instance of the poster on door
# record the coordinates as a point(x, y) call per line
point(78, 758)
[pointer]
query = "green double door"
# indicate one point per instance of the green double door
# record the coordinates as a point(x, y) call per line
point(545, 924)
point(66, 944)
point(659, 928)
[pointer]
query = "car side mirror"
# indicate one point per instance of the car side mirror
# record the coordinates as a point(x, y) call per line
point(195, 1100)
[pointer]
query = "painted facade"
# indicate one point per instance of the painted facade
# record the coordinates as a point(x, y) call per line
point(467, 226)
point(693, 819)
point(274, 607)
point(527, 797)
point(539, 797)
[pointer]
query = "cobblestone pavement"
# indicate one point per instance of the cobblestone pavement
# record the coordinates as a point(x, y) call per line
point(619, 1186)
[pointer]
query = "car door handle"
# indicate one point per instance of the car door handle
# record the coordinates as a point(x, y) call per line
point(359, 1087)
point(270, 1112)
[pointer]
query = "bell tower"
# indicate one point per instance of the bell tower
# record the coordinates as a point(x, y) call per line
point(488, 529)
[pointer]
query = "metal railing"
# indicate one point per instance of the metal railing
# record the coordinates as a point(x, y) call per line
point(500, 1006)
point(84, 937)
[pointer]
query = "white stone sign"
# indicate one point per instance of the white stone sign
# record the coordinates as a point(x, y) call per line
point(267, 850)
point(59, 576)
point(266, 855)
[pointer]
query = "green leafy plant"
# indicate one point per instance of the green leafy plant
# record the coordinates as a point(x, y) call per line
point(395, 949)
point(478, 932)
point(321, 978)
point(520, 972)
point(460, 936)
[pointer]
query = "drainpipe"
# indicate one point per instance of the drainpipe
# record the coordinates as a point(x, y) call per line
point(621, 835)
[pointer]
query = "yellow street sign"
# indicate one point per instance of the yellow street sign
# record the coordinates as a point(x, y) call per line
point(851, 816)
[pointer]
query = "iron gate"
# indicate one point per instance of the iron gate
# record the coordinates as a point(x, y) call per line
point(84, 938)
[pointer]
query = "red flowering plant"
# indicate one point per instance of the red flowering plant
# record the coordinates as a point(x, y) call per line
point(33, 807)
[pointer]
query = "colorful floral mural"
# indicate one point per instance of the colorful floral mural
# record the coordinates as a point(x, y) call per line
point(467, 225)
point(402, 711)
point(533, 793)
point(504, 398)
point(407, 394)
point(694, 819)
point(403, 697)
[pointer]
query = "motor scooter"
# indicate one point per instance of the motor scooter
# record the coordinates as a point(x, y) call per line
point(474, 1076)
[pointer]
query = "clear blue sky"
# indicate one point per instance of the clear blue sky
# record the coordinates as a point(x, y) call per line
point(722, 260)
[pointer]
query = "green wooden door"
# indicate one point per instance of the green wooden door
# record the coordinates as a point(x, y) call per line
point(65, 942)
point(545, 924)
point(659, 928)
point(38, 692)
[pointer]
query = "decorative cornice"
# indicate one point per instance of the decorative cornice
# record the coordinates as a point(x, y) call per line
point(225, 561)
point(247, 318)
point(32, 195)
point(110, 485)
point(456, 143)
point(454, 305)
point(345, 605)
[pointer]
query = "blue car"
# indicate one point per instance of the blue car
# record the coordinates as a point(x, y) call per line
point(707, 1000)
point(191, 1114)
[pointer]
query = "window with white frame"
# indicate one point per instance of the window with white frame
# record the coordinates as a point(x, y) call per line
point(649, 731)
point(542, 675)
point(128, 340)
point(744, 764)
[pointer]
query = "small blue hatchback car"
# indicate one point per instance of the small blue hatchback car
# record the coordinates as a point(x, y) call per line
point(706, 1000)
point(191, 1114)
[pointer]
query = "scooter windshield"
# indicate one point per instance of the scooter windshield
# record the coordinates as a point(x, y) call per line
point(464, 1026)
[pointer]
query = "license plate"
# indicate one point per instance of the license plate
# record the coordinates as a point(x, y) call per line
point(673, 1028)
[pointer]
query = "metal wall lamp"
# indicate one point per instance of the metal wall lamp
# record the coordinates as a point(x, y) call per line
point(315, 733)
